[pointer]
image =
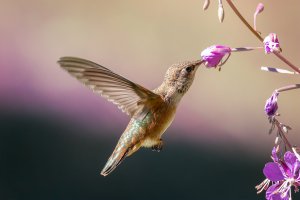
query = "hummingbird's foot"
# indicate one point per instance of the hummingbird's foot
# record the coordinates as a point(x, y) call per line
point(158, 147)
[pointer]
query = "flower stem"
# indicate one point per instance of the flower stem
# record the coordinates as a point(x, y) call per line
point(244, 20)
point(289, 87)
point(254, 23)
point(281, 57)
point(282, 135)
point(296, 153)
point(286, 61)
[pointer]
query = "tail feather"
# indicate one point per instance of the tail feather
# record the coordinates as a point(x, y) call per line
point(114, 160)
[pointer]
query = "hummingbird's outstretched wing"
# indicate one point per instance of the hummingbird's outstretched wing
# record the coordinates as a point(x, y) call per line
point(130, 97)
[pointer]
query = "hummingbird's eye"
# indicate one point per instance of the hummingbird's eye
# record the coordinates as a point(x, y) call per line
point(189, 69)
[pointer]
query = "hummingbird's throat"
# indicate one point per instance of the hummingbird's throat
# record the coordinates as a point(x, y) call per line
point(173, 95)
point(183, 89)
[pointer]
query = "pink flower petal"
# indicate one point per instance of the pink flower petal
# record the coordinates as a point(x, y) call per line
point(272, 172)
point(271, 193)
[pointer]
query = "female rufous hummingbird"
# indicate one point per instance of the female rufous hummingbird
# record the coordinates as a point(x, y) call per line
point(151, 112)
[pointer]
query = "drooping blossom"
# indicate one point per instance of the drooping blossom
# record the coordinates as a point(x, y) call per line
point(213, 55)
point(271, 43)
point(271, 105)
point(284, 174)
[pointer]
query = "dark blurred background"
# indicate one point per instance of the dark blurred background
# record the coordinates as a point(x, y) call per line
point(46, 157)
point(56, 135)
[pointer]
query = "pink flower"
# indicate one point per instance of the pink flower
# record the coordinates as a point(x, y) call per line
point(213, 55)
point(285, 174)
point(271, 43)
point(282, 174)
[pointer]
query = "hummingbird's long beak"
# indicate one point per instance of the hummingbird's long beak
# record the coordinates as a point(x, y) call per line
point(197, 63)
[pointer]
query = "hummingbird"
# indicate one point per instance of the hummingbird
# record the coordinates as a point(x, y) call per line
point(151, 112)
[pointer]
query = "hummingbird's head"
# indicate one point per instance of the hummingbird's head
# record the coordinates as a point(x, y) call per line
point(179, 77)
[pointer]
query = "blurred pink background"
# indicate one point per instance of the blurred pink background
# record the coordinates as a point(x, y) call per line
point(140, 40)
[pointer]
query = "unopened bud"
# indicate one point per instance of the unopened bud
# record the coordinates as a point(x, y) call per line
point(271, 104)
point(296, 150)
point(221, 13)
point(260, 7)
point(206, 4)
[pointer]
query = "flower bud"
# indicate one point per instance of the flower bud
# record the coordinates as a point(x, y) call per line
point(206, 4)
point(271, 104)
point(221, 13)
point(259, 8)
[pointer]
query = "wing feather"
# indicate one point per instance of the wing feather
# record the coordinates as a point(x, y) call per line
point(130, 97)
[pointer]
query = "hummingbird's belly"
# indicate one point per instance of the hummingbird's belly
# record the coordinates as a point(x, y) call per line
point(160, 122)
point(147, 132)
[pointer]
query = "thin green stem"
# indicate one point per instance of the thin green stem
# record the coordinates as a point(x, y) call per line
point(281, 57)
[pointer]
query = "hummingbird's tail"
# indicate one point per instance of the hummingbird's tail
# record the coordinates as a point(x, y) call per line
point(114, 160)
